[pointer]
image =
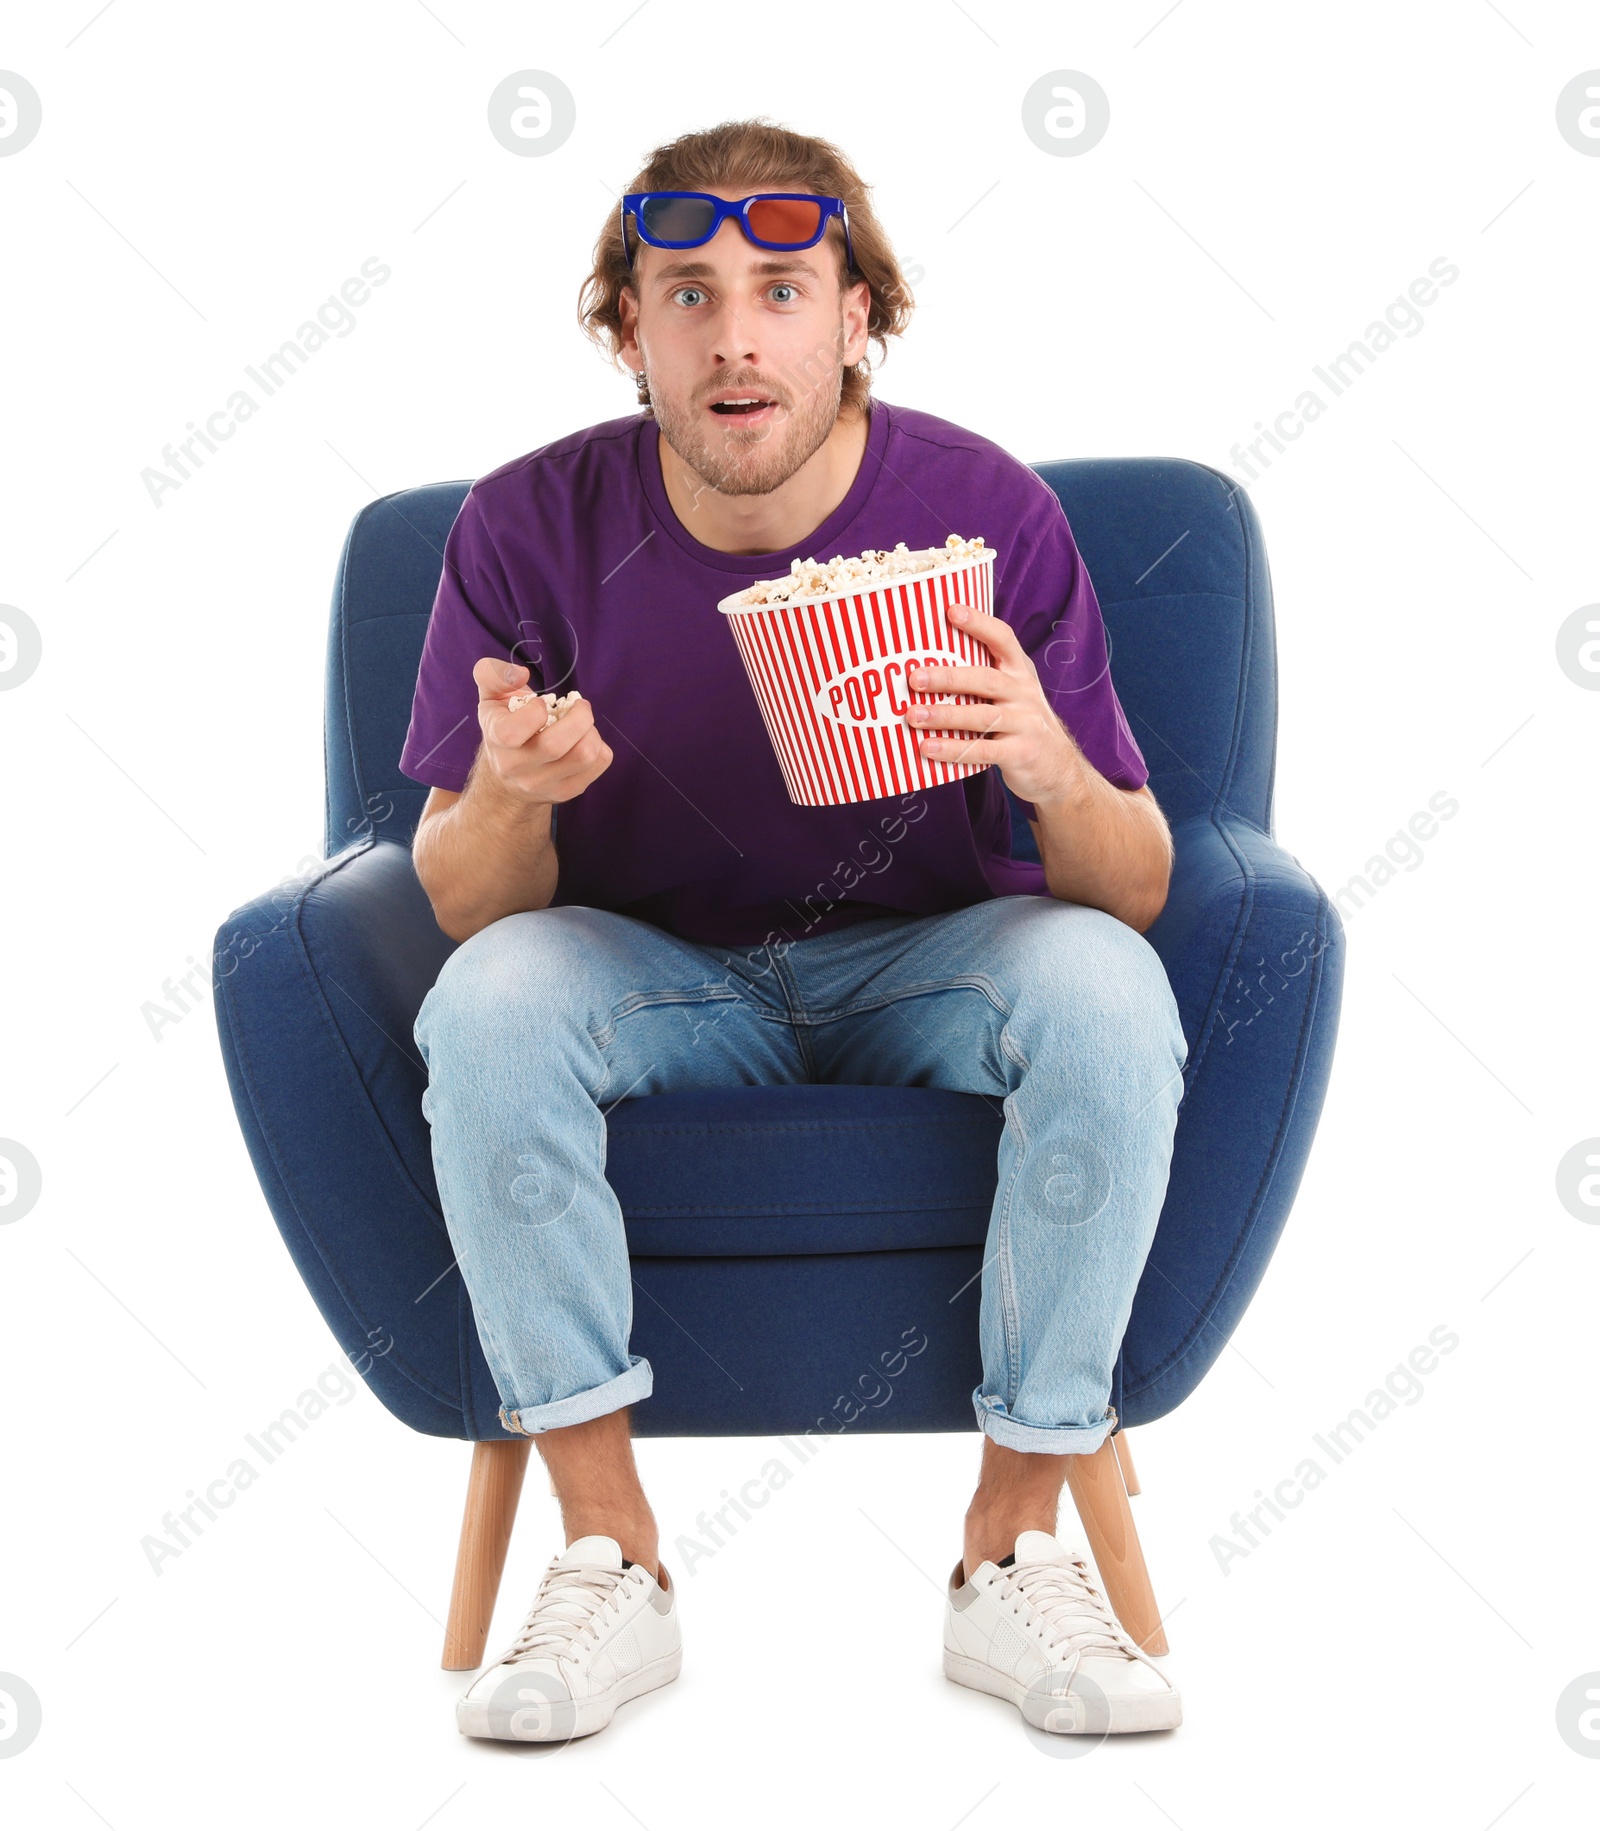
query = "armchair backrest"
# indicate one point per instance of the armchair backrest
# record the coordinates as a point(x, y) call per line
point(1180, 568)
point(1173, 547)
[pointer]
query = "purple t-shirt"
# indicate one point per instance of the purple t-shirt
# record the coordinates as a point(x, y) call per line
point(572, 561)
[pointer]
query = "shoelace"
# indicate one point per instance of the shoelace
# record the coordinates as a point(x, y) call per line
point(1066, 1600)
point(570, 1599)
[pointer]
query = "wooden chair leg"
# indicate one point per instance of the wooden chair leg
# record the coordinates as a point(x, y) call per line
point(1102, 1503)
point(1130, 1475)
point(493, 1490)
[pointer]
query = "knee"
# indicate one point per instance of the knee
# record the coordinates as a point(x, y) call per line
point(523, 974)
point(1085, 971)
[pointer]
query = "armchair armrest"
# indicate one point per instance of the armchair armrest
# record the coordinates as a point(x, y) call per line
point(1243, 920)
point(1254, 952)
point(316, 992)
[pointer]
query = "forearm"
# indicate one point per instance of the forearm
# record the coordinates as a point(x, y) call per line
point(1106, 847)
point(489, 854)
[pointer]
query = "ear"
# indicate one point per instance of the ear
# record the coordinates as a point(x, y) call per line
point(628, 350)
point(857, 311)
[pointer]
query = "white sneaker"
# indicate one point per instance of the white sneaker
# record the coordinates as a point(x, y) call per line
point(1035, 1629)
point(599, 1632)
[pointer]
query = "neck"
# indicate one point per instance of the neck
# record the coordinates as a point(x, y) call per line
point(782, 517)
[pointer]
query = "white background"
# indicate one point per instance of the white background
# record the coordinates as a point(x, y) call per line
point(1273, 177)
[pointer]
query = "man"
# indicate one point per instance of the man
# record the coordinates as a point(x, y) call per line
point(637, 904)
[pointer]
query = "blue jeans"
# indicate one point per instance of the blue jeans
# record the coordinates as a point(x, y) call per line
point(1063, 1013)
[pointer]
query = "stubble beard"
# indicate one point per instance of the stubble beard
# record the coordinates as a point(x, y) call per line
point(755, 461)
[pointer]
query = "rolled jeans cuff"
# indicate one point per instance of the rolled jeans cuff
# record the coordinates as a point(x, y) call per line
point(529, 1420)
point(1042, 1439)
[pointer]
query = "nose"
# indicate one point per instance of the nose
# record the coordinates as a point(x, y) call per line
point(733, 335)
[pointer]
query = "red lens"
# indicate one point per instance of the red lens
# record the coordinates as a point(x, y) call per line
point(785, 219)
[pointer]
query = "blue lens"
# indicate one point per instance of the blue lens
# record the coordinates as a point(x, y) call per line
point(678, 219)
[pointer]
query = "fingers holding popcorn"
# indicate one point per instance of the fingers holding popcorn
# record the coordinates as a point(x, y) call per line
point(505, 688)
point(543, 746)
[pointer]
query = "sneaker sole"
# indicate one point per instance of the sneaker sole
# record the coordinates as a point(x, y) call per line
point(1149, 1710)
point(593, 1713)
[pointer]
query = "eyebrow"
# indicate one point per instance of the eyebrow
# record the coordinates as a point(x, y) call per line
point(704, 270)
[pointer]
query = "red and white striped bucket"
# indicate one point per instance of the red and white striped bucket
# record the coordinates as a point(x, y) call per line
point(829, 676)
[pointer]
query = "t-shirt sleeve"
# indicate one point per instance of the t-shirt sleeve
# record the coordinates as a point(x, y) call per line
point(473, 616)
point(1044, 592)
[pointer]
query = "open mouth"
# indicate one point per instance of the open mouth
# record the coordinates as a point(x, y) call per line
point(745, 406)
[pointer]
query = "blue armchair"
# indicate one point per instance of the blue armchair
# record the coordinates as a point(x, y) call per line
point(791, 1245)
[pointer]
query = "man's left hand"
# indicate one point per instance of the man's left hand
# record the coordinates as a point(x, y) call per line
point(1016, 729)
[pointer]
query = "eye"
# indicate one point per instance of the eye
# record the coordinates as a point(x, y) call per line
point(783, 286)
point(683, 289)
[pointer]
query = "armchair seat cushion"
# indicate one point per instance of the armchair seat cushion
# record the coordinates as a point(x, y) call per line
point(756, 1171)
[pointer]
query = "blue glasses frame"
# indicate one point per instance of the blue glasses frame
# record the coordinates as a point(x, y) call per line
point(633, 205)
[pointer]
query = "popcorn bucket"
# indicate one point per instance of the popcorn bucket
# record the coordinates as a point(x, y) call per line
point(829, 676)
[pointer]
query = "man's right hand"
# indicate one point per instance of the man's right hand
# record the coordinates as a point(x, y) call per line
point(529, 756)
